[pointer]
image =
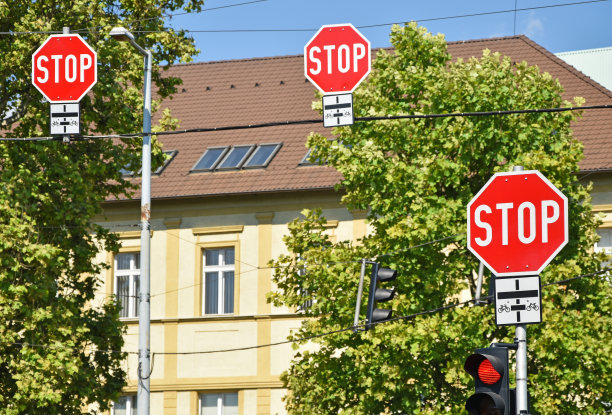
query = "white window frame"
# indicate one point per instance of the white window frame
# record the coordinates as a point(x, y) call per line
point(220, 401)
point(220, 270)
point(131, 408)
point(132, 273)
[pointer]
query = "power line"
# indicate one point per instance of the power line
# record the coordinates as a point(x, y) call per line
point(351, 328)
point(315, 121)
point(603, 272)
point(514, 10)
point(385, 24)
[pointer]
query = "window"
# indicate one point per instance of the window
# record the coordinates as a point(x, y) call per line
point(307, 296)
point(210, 159)
point(219, 404)
point(262, 155)
point(605, 241)
point(127, 275)
point(126, 405)
point(218, 286)
point(306, 160)
point(168, 157)
point(235, 157)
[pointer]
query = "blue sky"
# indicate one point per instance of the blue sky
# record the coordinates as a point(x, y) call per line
point(288, 24)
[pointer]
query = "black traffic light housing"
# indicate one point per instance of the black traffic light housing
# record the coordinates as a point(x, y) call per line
point(489, 368)
point(379, 295)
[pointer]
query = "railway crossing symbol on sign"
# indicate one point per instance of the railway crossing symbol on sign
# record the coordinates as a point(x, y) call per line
point(338, 110)
point(518, 300)
point(65, 119)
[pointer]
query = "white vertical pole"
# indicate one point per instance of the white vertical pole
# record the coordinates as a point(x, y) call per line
point(521, 360)
point(144, 316)
point(359, 294)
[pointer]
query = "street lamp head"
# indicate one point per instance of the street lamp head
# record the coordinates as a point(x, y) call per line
point(121, 34)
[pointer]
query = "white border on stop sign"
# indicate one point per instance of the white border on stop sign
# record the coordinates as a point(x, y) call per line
point(566, 222)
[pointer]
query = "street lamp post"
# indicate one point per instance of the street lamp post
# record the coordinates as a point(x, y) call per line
point(144, 309)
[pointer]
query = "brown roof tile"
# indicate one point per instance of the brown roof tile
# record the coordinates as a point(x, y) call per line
point(255, 91)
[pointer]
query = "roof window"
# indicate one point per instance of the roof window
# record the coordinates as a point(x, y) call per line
point(262, 155)
point(235, 157)
point(210, 158)
point(249, 156)
point(306, 161)
point(168, 156)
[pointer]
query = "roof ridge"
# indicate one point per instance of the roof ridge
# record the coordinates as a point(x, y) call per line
point(263, 58)
point(489, 39)
point(579, 74)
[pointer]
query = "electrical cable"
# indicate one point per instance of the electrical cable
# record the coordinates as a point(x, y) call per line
point(352, 328)
point(316, 121)
point(315, 29)
point(603, 272)
point(383, 24)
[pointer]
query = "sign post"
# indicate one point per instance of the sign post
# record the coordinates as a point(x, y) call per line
point(336, 60)
point(517, 223)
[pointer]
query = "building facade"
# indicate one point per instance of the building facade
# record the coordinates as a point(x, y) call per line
point(220, 208)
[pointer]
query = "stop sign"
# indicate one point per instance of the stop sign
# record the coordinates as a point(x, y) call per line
point(337, 58)
point(517, 223)
point(64, 68)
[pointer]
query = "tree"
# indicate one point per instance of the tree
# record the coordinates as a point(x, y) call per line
point(60, 345)
point(416, 178)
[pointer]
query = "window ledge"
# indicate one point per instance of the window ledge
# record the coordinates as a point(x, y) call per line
point(218, 230)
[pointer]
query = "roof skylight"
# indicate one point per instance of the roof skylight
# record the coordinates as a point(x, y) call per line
point(169, 155)
point(236, 157)
point(262, 155)
point(210, 158)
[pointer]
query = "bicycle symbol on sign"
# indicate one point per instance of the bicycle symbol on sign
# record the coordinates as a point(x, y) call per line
point(503, 308)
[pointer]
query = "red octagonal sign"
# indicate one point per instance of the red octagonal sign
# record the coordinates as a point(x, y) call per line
point(517, 223)
point(64, 68)
point(337, 58)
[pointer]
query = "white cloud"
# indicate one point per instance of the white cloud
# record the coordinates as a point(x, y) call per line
point(534, 25)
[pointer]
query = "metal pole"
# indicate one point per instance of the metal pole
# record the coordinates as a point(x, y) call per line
point(522, 406)
point(66, 31)
point(144, 316)
point(521, 369)
point(479, 283)
point(359, 294)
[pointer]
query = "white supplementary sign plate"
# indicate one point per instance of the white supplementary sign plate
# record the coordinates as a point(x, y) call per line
point(338, 110)
point(65, 119)
point(518, 300)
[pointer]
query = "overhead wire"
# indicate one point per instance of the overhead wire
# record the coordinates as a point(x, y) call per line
point(353, 328)
point(603, 272)
point(383, 24)
point(462, 16)
point(313, 121)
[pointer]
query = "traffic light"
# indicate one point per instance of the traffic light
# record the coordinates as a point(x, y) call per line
point(493, 396)
point(379, 295)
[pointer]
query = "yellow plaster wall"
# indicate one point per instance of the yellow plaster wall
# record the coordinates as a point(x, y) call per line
point(277, 406)
point(215, 336)
point(255, 226)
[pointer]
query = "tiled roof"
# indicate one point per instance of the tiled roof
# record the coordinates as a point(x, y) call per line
point(255, 91)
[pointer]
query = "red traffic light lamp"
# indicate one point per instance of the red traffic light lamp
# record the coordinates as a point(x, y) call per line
point(489, 368)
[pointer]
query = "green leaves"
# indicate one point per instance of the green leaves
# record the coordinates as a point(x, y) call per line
point(416, 177)
point(59, 345)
